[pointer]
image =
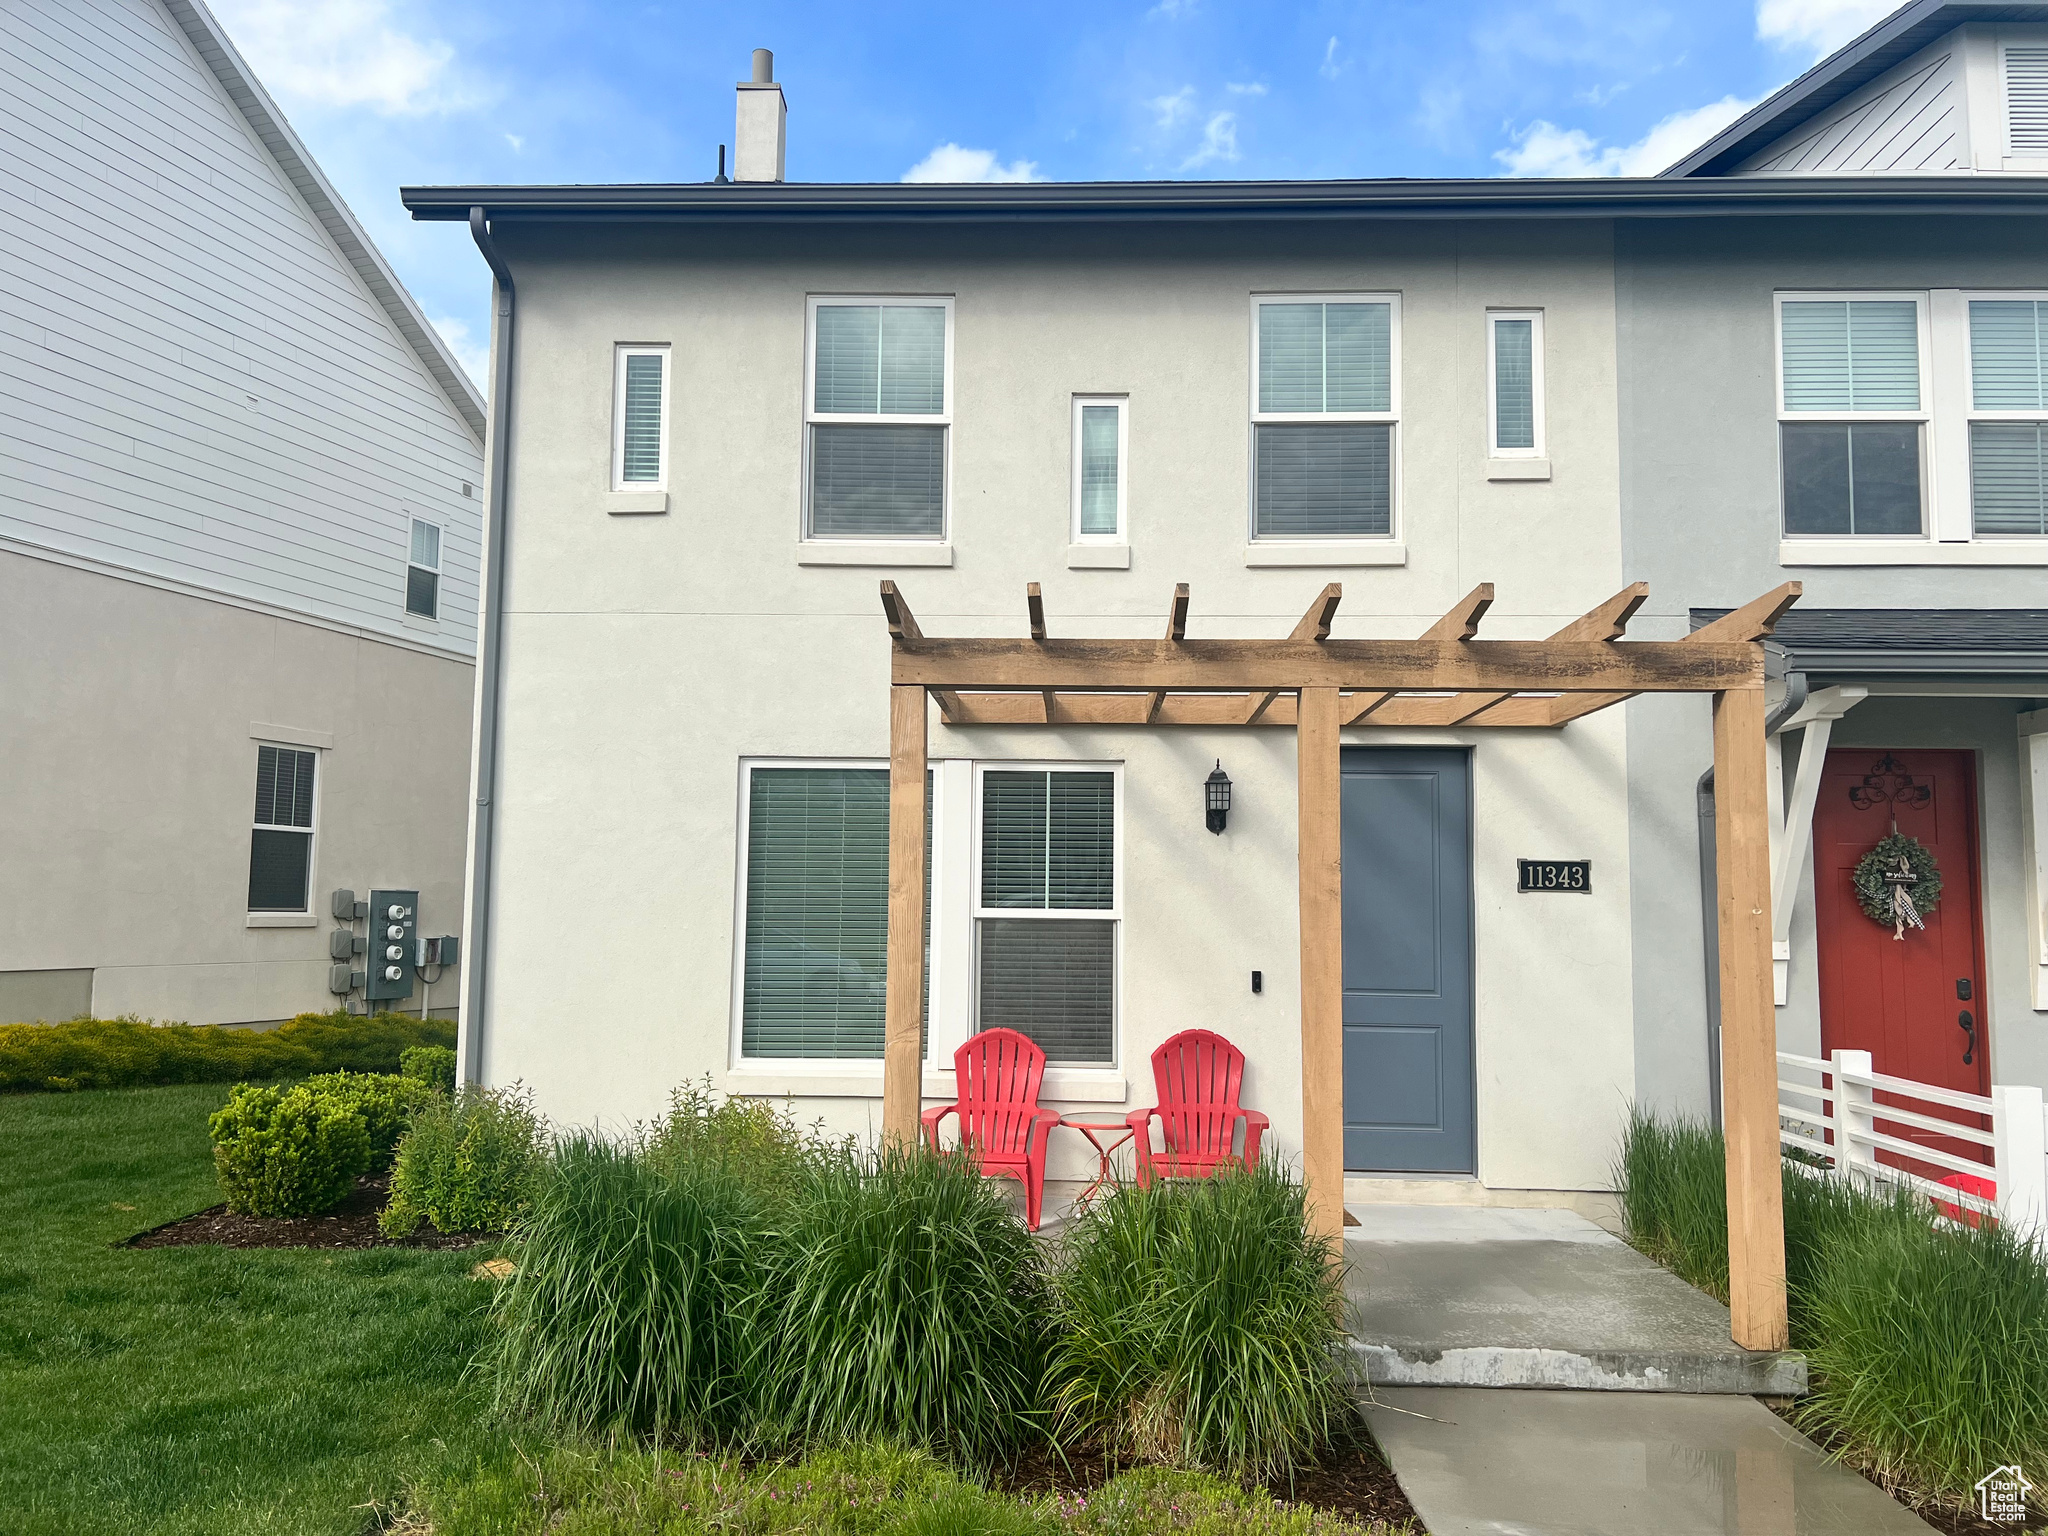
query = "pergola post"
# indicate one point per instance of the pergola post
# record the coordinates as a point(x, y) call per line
point(1749, 1043)
point(903, 1009)
point(1322, 961)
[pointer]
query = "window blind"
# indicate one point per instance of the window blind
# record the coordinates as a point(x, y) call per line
point(1334, 479)
point(2026, 100)
point(1514, 384)
point(1851, 477)
point(1325, 357)
point(881, 359)
point(284, 787)
point(2007, 371)
point(1048, 840)
point(2009, 477)
point(1053, 979)
point(426, 545)
point(640, 457)
point(1851, 355)
point(1099, 469)
point(878, 482)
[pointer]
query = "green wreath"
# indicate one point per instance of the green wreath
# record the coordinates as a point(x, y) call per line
point(1874, 892)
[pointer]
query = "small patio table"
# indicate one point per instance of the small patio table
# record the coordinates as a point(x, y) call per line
point(1095, 1130)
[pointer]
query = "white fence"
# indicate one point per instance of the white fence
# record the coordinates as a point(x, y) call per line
point(1837, 1124)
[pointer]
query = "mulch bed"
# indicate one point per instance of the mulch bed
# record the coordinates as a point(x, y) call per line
point(352, 1224)
point(1952, 1521)
point(1351, 1481)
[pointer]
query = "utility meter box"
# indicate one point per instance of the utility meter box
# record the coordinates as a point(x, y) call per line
point(394, 926)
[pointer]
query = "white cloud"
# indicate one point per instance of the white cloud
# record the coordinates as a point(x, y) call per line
point(516, 142)
point(1331, 67)
point(1249, 88)
point(1172, 8)
point(475, 356)
point(1544, 149)
point(343, 53)
point(953, 162)
point(1219, 141)
point(1171, 109)
point(1818, 26)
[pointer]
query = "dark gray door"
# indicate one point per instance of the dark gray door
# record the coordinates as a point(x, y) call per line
point(1407, 960)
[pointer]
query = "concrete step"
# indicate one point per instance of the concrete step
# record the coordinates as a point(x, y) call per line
point(1457, 1296)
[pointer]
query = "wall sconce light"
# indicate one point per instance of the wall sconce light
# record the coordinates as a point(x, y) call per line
point(1216, 797)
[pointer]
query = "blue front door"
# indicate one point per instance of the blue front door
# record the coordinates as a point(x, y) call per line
point(1408, 1083)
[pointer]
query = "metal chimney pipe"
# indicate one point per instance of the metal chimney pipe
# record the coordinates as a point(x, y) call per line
point(764, 66)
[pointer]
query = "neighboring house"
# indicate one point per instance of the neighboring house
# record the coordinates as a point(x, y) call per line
point(733, 409)
point(240, 528)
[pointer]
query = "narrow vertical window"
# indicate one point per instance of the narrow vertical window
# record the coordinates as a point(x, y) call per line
point(1851, 414)
point(877, 411)
point(1099, 477)
point(2009, 417)
point(1515, 383)
point(281, 840)
point(1325, 407)
point(423, 571)
point(640, 419)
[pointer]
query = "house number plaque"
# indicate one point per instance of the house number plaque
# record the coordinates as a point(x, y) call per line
point(1575, 875)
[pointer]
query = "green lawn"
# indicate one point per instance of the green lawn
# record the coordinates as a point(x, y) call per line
point(206, 1390)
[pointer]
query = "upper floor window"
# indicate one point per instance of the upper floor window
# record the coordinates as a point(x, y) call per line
point(281, 840)
point(423, 571)
point(1514, 380)
point(1099, 475)
point(1325, 414)
point(877, 409)
point(640, 419)
point(2026, 101)
point(2009, 416)
point(1851, 410)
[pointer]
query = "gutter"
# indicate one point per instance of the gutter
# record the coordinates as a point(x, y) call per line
point(490, 668)
point(1710, 912)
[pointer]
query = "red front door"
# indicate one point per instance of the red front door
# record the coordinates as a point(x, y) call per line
point(1906, 1001)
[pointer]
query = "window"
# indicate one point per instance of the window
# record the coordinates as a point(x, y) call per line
point(2008, 417)
point(2026, 102)
point(1514, 383)
point(1323, 416)
point(877, 410)
point(281, 842)
point(1852, 404)
point(1099, 477)
point(640, 419)
point(1046, 909)
point(423, 571)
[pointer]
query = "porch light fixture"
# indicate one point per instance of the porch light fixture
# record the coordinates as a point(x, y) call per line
point(1216, 797)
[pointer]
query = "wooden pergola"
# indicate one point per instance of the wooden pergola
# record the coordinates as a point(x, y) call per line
point(1318, 685)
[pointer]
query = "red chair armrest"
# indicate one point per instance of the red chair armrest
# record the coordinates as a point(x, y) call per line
point(1042, 1122)
point(1252, 1116)
point(1255, 1126)
point(930, 1120)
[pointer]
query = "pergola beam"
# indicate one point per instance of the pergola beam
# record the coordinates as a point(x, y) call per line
point(1462, 622)
point(1176, 630)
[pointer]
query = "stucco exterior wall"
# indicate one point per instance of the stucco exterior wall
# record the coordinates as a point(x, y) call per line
point(129, 766)
point(647, 656)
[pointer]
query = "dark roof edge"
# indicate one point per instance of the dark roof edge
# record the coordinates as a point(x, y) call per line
point(1613, 197)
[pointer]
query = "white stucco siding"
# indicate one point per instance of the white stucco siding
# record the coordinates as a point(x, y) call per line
point(194, 383)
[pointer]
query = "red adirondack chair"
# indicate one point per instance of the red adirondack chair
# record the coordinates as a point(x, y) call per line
point(1001, 1126)
point(1198, 1074)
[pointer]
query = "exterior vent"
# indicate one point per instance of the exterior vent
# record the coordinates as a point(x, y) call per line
point(2026, 101)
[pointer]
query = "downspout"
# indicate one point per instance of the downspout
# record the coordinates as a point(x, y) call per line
point(1710, 913)
point(490, 652)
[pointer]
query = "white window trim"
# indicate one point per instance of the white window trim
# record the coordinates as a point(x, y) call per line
point(1122, 403)
point(1114, 913)
point(1493, 447)
point(814, 417)
point(1392, 416)
point(620, 353)
point(821, 1072)
point(1930, 509)
point(1952, 312)
point(273, 917)
point(440, 538)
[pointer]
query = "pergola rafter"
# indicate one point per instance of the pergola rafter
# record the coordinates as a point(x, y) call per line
point(1446, 677)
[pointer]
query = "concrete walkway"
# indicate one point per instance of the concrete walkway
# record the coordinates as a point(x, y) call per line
point(1488, 1463)
point(1461, 1296)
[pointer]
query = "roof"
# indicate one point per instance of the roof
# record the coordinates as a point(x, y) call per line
point(1125, 201)
point(1855, 64)
point(1917, 640)
point(254, 103)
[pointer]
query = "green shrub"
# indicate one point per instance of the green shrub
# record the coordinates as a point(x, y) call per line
point(911, 1308)
point(1198, 1322)
point(286, 1151)
point(637, 1299)
point(384, 1102)
point(433, 1065)
point(753, 1139)
point(133, 1053)
point(465, 1164)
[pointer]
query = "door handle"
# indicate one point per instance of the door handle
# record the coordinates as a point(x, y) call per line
point(1968, 1026)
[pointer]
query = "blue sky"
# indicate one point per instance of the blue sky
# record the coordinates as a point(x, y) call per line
point(447, 91)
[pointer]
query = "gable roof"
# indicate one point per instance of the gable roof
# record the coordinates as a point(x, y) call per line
point(254, 103)
point(1855, 64)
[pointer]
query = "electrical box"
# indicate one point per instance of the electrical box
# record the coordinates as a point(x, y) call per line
point(341, 980)
point(446, 950)
point(394, 926)
point(344, 944)
point(346, 908)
